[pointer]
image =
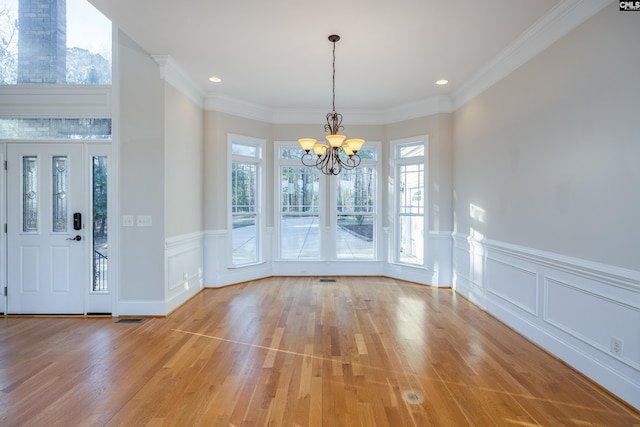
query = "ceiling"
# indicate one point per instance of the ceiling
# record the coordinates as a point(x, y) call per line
point(276, 53)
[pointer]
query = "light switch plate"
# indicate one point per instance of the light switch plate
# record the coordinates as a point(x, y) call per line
point(127, 220)
point(143, 221)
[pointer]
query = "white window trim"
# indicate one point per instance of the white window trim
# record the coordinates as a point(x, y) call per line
point(260, 161)
point(394, 198)
point(322, 208)
point(332, 227)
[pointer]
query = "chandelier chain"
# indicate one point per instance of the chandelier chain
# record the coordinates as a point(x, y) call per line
point(334, 77)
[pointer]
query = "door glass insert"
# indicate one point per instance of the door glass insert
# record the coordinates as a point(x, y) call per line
point(30, 194)
point(100, 224)
point(60, 178)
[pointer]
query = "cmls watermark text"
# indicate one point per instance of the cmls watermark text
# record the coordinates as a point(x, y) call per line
point(630, 5)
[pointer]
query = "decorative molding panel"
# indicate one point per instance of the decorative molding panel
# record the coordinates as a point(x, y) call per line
point(514, 284)
point(571, 307)
point(595, 325)
point(217, 271)
point(183, 268)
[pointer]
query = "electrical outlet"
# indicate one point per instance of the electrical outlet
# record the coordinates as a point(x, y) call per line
point(616, 346)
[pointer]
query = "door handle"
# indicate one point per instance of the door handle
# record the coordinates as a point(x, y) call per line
point(77, 238)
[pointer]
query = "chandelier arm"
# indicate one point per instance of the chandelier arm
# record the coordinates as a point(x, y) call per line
point(307, 160)
point(330, 163)
point(323, 162)
point(355, 160)
point(335, 163)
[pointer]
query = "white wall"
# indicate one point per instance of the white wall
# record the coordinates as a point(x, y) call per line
point(546, 195)
point(141, 180)
point(183, 165)
point(161, 176)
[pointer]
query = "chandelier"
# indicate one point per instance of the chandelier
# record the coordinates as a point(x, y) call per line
point(338, 154)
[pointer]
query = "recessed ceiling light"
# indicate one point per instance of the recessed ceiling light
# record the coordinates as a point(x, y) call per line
point(215, 79)
point(442, 82)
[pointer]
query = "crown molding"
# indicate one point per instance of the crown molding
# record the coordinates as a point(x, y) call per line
point(301, 117)
point(171, 72)
point(422, 108)
point(238, 107)
point(563, 18)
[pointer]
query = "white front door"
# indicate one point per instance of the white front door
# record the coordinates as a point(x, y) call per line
point(46, 237)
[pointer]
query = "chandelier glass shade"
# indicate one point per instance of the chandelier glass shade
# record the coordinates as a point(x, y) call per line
point(339, 153)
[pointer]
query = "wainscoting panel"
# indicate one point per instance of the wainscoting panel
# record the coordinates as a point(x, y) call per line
point(439, 258)
point(183, 268)
point(596, 321)
point(218, 272)
point(515, 285)
point(463, 262)
point(586, 314)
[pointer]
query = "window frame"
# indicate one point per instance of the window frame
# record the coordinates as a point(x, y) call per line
point(295, 162)
point(397, 162)
point(333, 192)
point(327, 207)
point(259, 161)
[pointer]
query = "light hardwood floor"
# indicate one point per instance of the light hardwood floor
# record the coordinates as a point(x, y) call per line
point(294, 351)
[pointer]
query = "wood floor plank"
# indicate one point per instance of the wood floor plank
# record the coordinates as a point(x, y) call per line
point(294, 352)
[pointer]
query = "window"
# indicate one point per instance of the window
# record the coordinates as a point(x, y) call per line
point(246, 181)
point(355, 209)
point(306, 194)
point(299, 207)
point(410, 201)
point(47, 128)
point(41, 44)
point(99, 208)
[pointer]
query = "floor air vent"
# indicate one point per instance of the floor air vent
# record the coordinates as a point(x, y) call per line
point(130, 321)
point(327, 280)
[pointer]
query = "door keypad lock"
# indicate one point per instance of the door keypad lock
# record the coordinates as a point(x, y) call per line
point(77, 221)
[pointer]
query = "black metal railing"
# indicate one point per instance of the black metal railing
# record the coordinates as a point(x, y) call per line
point(99, 272)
